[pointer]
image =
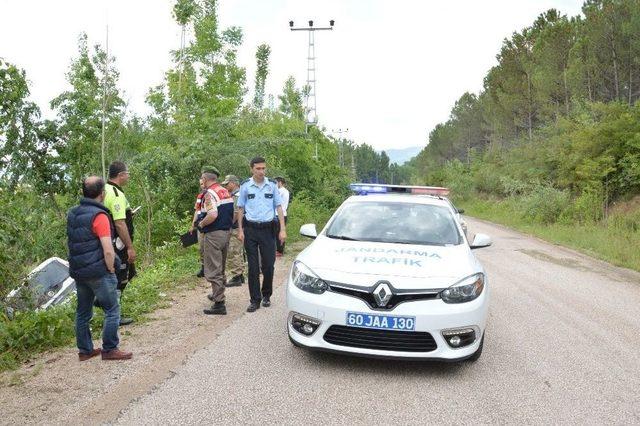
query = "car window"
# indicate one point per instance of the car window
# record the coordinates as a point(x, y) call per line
point(404, 223)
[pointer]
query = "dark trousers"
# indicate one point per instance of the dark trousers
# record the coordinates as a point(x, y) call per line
point(127, 270)
point(262, 241)
point(279, 245)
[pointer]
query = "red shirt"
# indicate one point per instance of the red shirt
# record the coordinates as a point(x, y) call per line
point(199, 201)
point(100, 226)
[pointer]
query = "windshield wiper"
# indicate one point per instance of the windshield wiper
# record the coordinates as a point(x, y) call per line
point(342, 237)
point(418, 243)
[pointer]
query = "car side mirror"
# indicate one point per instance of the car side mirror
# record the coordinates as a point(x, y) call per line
point(460, 211)
point(481, 240)
point(309, 230)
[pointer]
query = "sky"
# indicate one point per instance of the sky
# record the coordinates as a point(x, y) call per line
point(389, 71)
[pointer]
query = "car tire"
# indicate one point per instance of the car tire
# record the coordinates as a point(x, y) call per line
point(477, 353)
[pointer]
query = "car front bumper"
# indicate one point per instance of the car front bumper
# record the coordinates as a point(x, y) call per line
point(431, 316)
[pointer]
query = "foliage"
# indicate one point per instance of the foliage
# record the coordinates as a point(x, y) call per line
point(262, 70)
point(557, 125)
point(544, 205)
point(184, 10)
point(93, 79)
point(27, 145)
point(30, 332)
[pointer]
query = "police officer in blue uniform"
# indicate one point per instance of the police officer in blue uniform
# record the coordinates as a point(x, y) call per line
point(258, 202)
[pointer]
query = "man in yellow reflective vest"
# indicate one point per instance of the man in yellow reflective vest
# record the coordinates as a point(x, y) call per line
point(118, 205)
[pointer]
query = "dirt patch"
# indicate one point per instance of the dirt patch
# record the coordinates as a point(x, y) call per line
point(601, 268)
point(562, 261)
point(57, 388)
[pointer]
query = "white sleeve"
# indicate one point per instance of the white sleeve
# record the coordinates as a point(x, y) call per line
point(284, 194)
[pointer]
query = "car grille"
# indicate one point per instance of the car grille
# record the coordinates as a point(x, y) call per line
point(384, 340)
point(395, 300)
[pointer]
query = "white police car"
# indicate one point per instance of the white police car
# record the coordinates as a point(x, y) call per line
point(391, 275)
point(457, 213)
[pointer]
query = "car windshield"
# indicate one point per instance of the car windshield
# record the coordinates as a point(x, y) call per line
point(400, 223)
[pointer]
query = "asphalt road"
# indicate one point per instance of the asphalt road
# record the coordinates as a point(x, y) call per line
point(562, 346)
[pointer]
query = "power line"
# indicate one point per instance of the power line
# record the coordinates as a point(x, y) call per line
point(340, 144)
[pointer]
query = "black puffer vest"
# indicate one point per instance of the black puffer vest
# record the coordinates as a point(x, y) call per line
point(86, 257)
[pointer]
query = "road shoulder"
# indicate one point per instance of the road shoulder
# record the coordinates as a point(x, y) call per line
point(55, 387)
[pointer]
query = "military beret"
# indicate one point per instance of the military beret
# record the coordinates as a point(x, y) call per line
point(211, 169)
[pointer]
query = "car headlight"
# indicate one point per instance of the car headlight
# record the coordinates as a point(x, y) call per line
point(464, 290)
point(305, 279)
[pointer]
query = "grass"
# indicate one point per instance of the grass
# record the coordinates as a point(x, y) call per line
point(30, 332)
point(609, 241)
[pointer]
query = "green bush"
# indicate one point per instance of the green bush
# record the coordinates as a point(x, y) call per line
point(31, 332)
point(302, 210)
point(487, 179)
point(512, 187)
point(544, 204)
point(455, 176)
point(587, 208)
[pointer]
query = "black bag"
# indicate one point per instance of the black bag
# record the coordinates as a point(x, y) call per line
point(189, 238)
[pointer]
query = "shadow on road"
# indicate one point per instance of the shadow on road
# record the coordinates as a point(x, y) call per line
point(337, 362)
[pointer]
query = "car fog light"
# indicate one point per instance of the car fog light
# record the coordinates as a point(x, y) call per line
point(460, 337)
point(303, 324)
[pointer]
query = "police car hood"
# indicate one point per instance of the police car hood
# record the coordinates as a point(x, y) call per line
point(363, 263)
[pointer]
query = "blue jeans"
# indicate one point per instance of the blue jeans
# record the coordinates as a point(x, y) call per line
point(104, 290)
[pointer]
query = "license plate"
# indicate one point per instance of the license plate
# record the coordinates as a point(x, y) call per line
point(381, 322)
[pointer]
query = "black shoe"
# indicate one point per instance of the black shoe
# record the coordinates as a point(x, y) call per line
point(266, 302)
point(210, 296)
point(236, 281)
point(218, 308)
point(253, 306)
point(200, 273)
point(125, 321)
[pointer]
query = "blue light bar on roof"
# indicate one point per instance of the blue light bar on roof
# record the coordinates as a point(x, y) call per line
point(375, 188)
point(366, 188)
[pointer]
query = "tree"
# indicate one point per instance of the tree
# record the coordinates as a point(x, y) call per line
point(510, 83)
point(94, 86)
point(551, 52)
point(291, 100)
point(467, 117)
point(262, 70)
point(27, 144)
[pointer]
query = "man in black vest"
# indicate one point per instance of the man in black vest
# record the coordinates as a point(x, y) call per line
point(215, 221)
point(92, 264)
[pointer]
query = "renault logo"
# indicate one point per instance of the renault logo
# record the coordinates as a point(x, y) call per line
point(382, 294)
